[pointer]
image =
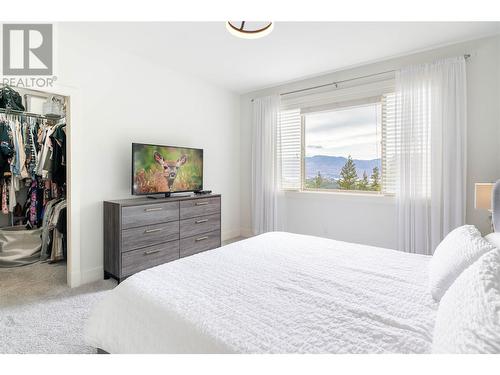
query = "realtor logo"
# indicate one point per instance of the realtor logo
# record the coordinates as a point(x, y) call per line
point(27, 50)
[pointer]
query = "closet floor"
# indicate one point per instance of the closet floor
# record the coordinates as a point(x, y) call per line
point(39, 313)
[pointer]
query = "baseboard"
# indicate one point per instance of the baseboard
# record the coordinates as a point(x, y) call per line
point(89, 276)
point(246, 232)
point(75, 280)
point(227, 235)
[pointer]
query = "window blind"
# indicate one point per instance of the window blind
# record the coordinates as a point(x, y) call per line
point(290, 148)
point(389, 142)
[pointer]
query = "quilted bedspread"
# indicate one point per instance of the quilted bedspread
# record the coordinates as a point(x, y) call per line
point(274, 293)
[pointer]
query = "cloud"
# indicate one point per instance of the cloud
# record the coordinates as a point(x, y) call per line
point(344, 119)
point(353, 131)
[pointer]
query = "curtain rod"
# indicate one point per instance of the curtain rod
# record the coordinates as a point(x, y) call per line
point(466, 56)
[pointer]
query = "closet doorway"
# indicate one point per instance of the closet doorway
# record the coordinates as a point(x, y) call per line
point(35, 159)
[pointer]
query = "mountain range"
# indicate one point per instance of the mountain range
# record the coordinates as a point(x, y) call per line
point(330, 166)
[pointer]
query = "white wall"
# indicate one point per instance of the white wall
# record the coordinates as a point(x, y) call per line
point(122, 99)
point(371, 220)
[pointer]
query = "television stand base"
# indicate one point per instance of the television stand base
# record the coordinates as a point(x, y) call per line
point(167, 195)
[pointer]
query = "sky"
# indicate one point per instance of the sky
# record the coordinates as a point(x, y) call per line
point(352, 131)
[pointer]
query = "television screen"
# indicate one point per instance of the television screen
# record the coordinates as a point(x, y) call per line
point(166, 169)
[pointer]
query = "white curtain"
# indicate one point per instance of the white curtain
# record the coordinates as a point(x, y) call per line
point(430, 152)
point(265, 166)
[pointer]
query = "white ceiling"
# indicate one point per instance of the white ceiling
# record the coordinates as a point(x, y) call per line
point(292, 51)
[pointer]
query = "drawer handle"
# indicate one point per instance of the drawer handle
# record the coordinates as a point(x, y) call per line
point(153, 230)
point(201, 221)
point(153, 209)
point(151, 252)
point(201, 238)
point(201, 203)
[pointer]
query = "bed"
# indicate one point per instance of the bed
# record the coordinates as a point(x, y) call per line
point(274, 293)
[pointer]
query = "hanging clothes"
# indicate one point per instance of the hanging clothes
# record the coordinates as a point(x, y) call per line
point(13, 187)
point(52, 238)
point(31, 205)
point(23, 172)
point(57, 252)
point(31, 150)
point(5, 198)
point(29, 129)
point(43, 167)
point(58, 167)
point(63, 229)
point(34, 148)
point(46, 230)
point(6, 149)
point(33, 159)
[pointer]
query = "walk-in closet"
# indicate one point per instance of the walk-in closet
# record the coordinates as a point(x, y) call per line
point(33, 184)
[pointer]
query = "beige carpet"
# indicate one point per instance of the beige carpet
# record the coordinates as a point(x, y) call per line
point(39, 313)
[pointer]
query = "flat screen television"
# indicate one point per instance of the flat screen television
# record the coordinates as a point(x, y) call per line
point(160, 169)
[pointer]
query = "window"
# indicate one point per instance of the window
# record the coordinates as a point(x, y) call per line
point(342, 148)
point(340, 140)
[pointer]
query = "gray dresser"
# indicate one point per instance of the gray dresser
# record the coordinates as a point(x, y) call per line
point(141, 233)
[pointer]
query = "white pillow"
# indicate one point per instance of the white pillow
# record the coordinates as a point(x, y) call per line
point(468, 318)
point(459, 249)
point(494, 239)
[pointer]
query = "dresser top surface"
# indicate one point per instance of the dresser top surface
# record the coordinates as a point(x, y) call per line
point(145, 200)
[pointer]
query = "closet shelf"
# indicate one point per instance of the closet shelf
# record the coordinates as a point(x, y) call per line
point(9, 111)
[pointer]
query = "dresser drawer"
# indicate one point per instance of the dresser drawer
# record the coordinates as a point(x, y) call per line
point(197, 244)
point(198, 225)
point(138, 216)
point(199, 207)
point(138, 260)
point(136, 238)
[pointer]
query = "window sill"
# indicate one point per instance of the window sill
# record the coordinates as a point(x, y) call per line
point(390, 198)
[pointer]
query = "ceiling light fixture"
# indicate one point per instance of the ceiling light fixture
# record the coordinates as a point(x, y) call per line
point(249, 30)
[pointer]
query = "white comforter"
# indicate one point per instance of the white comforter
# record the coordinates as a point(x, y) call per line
point(275, 293)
